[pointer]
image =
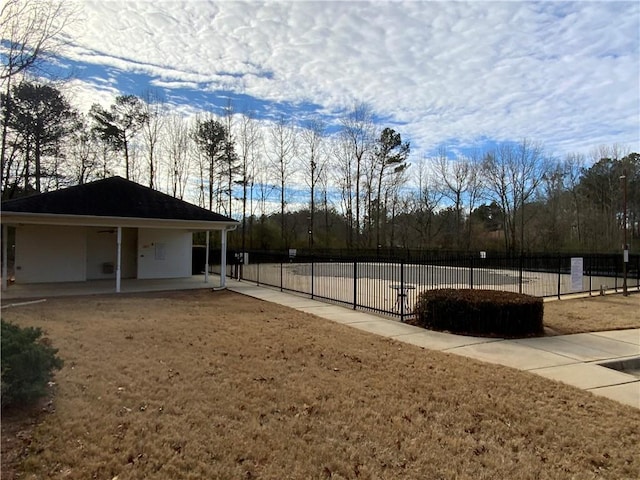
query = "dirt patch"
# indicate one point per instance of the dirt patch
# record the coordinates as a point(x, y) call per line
point(18, 424)
point(203, 384)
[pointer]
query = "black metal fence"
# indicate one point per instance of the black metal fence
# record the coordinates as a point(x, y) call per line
point(390, 285)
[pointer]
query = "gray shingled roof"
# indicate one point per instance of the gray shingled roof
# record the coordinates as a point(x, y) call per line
point(112, 197)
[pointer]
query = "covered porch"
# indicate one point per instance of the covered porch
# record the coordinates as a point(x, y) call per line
point(111, 234)
point(16, 293)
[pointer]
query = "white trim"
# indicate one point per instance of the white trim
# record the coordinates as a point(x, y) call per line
point(118, 258)
point(206, 260)
point(223, 258)
point(14, 218)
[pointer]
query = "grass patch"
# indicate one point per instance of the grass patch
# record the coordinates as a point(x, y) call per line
point(592, 314)
point(200, 384)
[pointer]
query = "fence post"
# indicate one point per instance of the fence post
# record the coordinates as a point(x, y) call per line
point(312, 263)
point(355, 284)
point(430, 274)
point(471, 274)
point(559, 274)
point(281, 275)
point(258, 274)
point(402, 292)
point(520, 273)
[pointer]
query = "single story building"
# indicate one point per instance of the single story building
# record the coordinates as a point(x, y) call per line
point(107, 229)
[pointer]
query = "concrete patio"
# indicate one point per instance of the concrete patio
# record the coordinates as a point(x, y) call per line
point(99, 287)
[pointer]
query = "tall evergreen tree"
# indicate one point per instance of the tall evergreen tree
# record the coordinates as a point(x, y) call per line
point(30, 33)
point(211, 137)
point(390, 158)
point(119, 124)
point(39, 117)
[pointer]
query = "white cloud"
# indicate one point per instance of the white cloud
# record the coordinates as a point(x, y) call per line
point(562, 73)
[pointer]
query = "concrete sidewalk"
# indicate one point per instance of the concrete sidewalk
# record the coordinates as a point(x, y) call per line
point(571, 359)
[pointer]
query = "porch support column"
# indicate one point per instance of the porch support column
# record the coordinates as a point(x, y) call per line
point(206, 259)
point(5, 255)
point(118, 258)
point(223, 258)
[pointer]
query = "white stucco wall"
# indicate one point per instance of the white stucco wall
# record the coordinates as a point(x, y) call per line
point(164, 253)
point(102, 248)
point(46, 253)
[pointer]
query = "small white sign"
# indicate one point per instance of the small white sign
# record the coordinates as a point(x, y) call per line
point(576, 274)
point(483, 254)
point(159, 251)
point(625, 256)
point(292, 252)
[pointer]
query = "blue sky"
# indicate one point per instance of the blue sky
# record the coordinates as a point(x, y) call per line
point(453, 74)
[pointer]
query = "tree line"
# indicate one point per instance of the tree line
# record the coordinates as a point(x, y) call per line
point(292, 184)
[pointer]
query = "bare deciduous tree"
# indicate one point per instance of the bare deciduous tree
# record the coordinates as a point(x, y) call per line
point(343, 174)
point(357, 136)
point(83, 149)
point(280, 152)
point(475, 191)
point(154, 109)
point(176, 142)
point(314, 166)
point(423, 203)
point(453, 176)
point(32, 32)
point(249, 141)
point(574, 164)
point(513, 173)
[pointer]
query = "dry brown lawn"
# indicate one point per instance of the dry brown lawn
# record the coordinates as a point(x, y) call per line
point(206, 385)
point(593, 314)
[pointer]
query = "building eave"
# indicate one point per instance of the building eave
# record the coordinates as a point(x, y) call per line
point(25, 218)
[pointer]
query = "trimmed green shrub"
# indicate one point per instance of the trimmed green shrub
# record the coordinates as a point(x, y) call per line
point(27, 364)
point(489, 313)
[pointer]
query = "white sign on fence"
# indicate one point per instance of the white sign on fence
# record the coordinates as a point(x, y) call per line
point(576, 274)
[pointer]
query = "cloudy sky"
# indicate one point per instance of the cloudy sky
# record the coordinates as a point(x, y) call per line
point(454, 74)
